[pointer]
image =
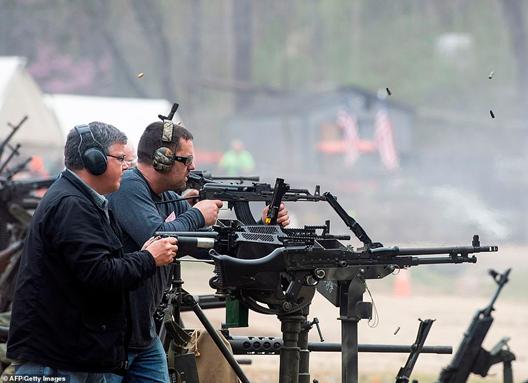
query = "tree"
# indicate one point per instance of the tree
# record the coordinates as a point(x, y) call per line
point(515, 23)
point(243, 43)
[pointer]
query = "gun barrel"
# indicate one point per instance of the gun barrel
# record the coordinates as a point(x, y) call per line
point(270, 345)
point(178, 234)
point(395, 251)
point(448, 250)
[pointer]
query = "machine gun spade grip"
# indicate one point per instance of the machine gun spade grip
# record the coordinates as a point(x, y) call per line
point(278, 192)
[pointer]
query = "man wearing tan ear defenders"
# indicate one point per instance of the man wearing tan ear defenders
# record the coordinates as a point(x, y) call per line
point(165, 159)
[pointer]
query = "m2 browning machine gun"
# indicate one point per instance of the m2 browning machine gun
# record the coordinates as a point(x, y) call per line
point(273, 270)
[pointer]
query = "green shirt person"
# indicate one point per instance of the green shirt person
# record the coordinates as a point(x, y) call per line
point(237, 161)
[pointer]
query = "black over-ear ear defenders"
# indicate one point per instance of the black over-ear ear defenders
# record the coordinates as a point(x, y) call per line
point(163, 157)
point(93, 157)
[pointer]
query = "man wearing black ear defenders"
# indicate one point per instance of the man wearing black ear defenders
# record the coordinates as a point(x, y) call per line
point(70, 310)
point(165, 158)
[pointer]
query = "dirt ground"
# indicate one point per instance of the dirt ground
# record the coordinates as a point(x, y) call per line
point(453, 313)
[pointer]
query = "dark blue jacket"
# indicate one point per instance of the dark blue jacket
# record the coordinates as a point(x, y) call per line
point(70, 307)
point(141, 212)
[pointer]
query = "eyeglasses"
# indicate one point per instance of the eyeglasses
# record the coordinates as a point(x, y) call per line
point(184, 160)
point(120, 158)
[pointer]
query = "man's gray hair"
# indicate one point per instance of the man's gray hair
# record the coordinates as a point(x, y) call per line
point(105, 136)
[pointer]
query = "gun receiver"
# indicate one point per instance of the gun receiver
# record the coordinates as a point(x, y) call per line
point(240, 194)
point(198, 178)
point(242, 190)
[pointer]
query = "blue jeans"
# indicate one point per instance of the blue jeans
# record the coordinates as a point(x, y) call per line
point(38, 370)
point(146, 366)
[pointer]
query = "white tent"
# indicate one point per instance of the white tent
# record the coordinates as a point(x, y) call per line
point(130, 115)
point(21, 96)
point(51, 117)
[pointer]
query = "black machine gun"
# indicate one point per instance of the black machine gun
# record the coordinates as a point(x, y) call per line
point(274, 270)
point(239, 191)
point(470, 356)
point(282, 267)
point(19, 189)
point(16, 199)
point(16, 195)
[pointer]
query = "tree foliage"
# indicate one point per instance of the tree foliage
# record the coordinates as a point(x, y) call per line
point(222, 52)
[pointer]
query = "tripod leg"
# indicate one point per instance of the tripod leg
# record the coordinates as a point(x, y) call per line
point(304, 353)
point(189, 300)
point(507, 372)
point(290, 352)
point(352, 310)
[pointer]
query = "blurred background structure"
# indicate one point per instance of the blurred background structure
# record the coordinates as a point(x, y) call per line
point(413, 112)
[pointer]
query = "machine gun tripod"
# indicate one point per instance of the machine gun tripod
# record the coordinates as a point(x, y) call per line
point(174, 338)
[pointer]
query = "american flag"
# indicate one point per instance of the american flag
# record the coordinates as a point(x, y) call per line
point(348, 123)
point(384, 139)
